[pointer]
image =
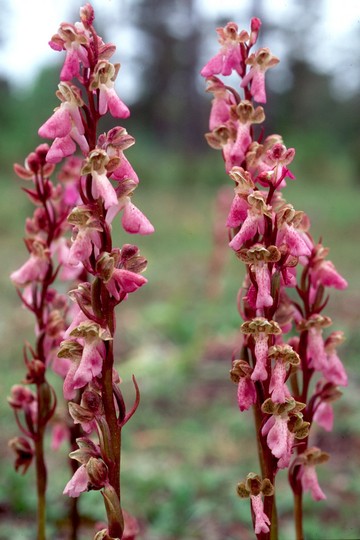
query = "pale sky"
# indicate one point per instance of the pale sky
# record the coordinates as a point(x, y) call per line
point(28, 26)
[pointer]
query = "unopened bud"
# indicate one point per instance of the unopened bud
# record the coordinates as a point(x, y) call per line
point(36, 372)
point(24, 453)
point(79, 414)
point(97, 472)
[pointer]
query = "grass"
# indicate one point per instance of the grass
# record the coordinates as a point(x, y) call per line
point(188, 446)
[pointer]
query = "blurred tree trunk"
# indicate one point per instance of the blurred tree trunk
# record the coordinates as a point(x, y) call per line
point(170, 104)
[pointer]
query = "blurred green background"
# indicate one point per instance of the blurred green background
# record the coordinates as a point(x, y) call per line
point(188, 446)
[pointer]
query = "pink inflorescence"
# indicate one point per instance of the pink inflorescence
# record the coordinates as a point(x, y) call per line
point(273, 370)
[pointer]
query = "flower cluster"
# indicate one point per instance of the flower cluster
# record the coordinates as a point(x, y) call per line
point(47, 245)
point(79, 339)
point(283, 344)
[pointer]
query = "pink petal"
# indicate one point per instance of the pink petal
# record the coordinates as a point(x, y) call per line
point(58, 125)
point(102, 187)
point(324, 416)
point(316, 349)
point(110, 100)
point(78, 483)
point(329, 277)
point(60, 148)
point(81, 248)
point(257, 88)
point(334, 371)
point(262, 521)
point(70, 68)
point(309, 482)
point(241, 144)
point(248, 230)
point(278, 389)
point(264, 298)
point(261, 351)
point(134, 221)
point(33, 270)
point(90, 365)
point(60, 433)
point(220, 113)
point(129, 281)
point(295, 241)
point(125, 171)
point(238, 212)
point(213, 67)
point(277, 439)
point(246, 393)
point(69, 390)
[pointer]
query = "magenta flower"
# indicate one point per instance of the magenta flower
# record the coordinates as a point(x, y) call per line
point(134, 221)
point(114, 143)
point(262, 521)
point(315, 342)
point(103, 79)
point(90, 365)
point(65, 125)
point(87, 234)
point(334, 370)
point(36, 267)
point(277, 388)
point(309, 482)
point(74, 40)
point(307, 473)
point(284, 356)
point(296, 241)
point(121, 271)
point(260, 329)
point(238, 211)
point(123, 282)
point(255, 488)
point(254, 222)
point(283, 427)
point(260, 62)
point(88, 455)
point(78, 483)
point(221, 104)
point(324, 416)
point(326, 273)
point(246, 392)
point(279, 439)
point(60, 433)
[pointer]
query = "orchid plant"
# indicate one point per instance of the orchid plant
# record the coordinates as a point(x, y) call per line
point(287, 369)
point(75, 332)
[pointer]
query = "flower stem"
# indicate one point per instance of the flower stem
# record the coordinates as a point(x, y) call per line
point(274, 521)
point(298, 516)
point(257, 417)
point(116, 526)
point(41, 473)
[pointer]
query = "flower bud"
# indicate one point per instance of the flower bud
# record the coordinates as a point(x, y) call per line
point(97, 472)
point(24, 453)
